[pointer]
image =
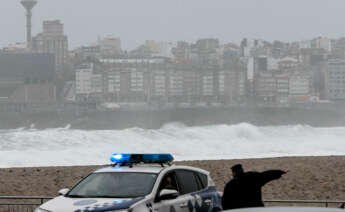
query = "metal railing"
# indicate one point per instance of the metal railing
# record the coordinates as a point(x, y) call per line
point(324, 203)
point(21, 203)
point(29, 203)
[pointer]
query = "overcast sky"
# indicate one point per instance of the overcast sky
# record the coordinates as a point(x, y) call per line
point(135, 21)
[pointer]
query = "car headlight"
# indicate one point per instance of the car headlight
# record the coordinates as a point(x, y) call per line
point(40, 210)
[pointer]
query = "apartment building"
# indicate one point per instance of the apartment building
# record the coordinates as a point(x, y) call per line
point(265, 87)
point(158, 84)
point(299, 88)
point(335, 79)
point(89, 83)
point(159, 81)
point(52, 40)
point(283, 86)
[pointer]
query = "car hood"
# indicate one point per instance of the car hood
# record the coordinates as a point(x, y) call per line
point(66, 204)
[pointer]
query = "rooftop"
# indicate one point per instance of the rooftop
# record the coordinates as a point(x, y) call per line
point(146, 168)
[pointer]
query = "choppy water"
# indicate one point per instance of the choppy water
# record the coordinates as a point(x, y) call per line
point(64, 146)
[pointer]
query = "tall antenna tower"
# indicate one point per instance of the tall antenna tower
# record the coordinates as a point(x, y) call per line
point(28, 5)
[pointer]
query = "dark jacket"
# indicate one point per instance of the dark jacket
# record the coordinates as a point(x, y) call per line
point(245, 190)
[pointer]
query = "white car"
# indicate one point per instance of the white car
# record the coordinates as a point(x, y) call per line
point(140, 183)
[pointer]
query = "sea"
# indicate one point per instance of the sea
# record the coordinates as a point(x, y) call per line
point(30, 147)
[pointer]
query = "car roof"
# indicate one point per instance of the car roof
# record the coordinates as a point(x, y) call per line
point(134, 168)
point(287, 209)
point(191, 168)
point(147, 168)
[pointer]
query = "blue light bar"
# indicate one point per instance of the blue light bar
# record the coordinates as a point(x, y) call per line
point(141, 158)
point(120, 158)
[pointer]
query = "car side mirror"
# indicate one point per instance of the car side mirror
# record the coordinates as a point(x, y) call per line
point(63, 191)
point(167, 194)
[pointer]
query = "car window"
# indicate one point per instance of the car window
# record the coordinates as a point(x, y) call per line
point(114, 185)
point(203, 179)
point(187, 181)
point(168, 182)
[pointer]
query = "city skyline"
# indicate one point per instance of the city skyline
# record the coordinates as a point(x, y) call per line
point(178, 20)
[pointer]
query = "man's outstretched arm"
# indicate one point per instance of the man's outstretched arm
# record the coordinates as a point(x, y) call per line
point(270, 175)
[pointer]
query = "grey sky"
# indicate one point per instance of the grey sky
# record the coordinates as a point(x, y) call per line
point(137, 20)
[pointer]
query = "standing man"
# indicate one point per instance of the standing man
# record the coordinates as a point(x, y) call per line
point(244, 190)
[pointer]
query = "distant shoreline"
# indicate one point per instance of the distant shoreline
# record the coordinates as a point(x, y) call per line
point(317, 116)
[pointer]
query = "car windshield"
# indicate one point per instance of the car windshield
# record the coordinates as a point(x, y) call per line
point(114, 185)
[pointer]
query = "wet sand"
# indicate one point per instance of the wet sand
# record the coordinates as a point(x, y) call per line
point(309, 178)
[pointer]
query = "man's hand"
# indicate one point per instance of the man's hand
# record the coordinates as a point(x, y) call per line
point(284, 171)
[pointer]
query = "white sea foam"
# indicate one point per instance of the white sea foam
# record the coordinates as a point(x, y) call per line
point(65, 146)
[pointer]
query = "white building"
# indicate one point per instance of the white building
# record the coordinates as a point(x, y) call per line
point(251, 45)
point(335, 79)
point(306, 44)
point(207, 84)
point(136, 80)
point(241, 77)
point(84, 75)
point(16, 48)
point(52, 40)
point(97, 83)
point(299, 85)
point(164, 50)
point(176, 83)
point(114, 79)
point(87, 82)
point(221, 83)
point(132, 61)
point(159, 83)
point(250, 69)
point(282, 88)
point(110, 46)
point(323, 43)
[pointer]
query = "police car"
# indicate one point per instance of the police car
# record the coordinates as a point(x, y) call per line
point(140, 183)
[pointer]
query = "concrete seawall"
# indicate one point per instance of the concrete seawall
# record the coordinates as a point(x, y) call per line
point(314, 116)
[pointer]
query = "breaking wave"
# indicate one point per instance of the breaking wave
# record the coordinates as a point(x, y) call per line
point(64, 146)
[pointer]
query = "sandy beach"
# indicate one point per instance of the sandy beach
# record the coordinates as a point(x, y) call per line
point(309, 178)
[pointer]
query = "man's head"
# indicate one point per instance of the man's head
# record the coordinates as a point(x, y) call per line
point(168, 180)
point(237, 170)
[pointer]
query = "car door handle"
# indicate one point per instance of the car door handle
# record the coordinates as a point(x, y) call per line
point(207, 202)
point(184, 205)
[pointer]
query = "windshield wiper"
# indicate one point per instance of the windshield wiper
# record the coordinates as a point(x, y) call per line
point(108, 196)
point(100, 196)
point(77, 196)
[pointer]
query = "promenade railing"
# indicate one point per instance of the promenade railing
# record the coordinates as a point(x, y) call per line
point(21, 203)
point(29, 203)
point(316, 203)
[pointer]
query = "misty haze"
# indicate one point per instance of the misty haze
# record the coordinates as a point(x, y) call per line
point(207, 81)
point(228, 66)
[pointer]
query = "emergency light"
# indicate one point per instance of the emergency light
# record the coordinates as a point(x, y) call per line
point(141, 158)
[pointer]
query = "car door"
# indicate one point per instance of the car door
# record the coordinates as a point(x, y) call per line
point(179, 204)
point(188, 186)
point(207, 198)
point(194, 188)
